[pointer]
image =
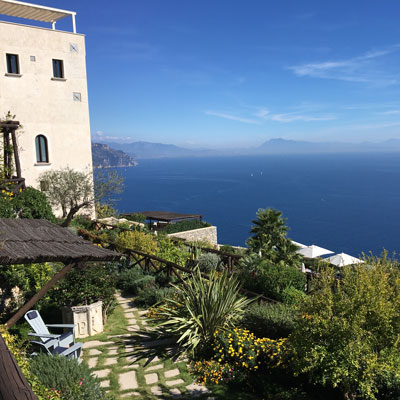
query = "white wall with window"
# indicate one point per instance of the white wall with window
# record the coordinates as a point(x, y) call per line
point(41, 72)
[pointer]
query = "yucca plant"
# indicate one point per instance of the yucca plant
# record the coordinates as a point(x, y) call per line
point(201, 308)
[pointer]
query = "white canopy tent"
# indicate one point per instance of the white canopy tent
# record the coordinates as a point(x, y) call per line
point(343, 259)
point(313, 251)
point(299, 244)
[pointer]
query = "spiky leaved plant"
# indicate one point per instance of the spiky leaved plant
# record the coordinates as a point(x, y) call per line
point(202, 307)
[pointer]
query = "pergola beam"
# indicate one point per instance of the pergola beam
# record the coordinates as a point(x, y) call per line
point(13, 384)
point(27, 306)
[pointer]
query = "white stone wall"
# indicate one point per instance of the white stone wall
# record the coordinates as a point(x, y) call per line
point(45, 106)
point(208, 234)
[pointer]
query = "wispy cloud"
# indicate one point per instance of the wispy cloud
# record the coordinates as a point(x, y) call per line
point(99, 135)
point(292, 117)
point(391, 112)
point(364, 68)
point(232, 117)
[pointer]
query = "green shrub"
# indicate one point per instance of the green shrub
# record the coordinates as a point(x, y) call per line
point(28, 203)
point(80, 221)
point(153, 295)
point(170, 251)
point(18, 349)
point(136, 217)
point(291, 295)
point(104, 211)
point(6, 207)
point(202, 307)
point(238, 355)
point(18, 283)
point(83, 286)
point(226, 248)
point(347, 334)
point(163, 279)
point(271, 280)
point(208, 261)
point(135, 279)
point(139, 241)
point(273, 320)
point(183, 226)
point(72, 380)
point(33, 204)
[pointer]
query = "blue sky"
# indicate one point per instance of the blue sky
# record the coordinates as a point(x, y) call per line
point(236, 73)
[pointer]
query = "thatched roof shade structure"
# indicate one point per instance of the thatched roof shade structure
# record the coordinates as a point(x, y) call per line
point(168, 216)
point(24, 241)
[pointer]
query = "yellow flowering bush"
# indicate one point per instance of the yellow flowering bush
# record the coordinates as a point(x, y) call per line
point(19, 353)
point(239, 353)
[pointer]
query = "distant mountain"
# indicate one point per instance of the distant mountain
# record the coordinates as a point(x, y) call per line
point(142, 150)
point(146, 150)
point(106, 157)
point(283, 146)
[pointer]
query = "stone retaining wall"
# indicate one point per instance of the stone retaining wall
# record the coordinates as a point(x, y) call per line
point(208, 234)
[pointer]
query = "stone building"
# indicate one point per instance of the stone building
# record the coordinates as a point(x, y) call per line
point(43, 83)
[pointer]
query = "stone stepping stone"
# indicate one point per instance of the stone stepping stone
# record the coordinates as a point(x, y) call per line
point(127, 380)
point(131, 366)
point(195, 389)
point(175, 392)
point(95, 343)
point(102, 373)
point(105, 384)
point(133, 328)
point(142, 312)
point(132, 321)
point(125, 305)
point(172, 373)
point(156, 390)
point(94, 352)
point(129, 315)
point(110, 361)
point(155, 367)
point(129, 349)
point(151, 378)
point(175, 382)
point(155, 359)
point(117, 336)
point(130, 394)
point(92, 362)
point(113, 352)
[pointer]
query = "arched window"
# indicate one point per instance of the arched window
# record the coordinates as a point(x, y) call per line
point(42, 154)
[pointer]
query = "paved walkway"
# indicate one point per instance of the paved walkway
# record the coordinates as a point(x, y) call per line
point(136, 366)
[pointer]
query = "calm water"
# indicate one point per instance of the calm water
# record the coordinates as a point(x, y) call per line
point(346, 203)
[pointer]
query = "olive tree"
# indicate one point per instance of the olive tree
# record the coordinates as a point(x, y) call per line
point(73, 191)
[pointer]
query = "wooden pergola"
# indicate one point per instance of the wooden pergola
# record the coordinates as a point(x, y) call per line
point(25, 241)
point(163, 218)
point(10, 149)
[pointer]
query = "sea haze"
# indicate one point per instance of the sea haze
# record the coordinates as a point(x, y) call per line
point(345, 202)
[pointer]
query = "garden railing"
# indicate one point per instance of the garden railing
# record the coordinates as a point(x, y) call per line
point(230, 260)
point(150, 262)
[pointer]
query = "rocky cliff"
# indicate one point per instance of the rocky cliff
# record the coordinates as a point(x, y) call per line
point(106, 157)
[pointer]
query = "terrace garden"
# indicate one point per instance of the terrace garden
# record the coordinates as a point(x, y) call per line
point(185, 319)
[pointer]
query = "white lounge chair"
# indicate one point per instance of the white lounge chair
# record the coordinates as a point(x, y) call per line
point(64, 340)
point(52, 349)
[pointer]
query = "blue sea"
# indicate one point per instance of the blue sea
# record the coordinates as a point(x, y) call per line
point(344, 202)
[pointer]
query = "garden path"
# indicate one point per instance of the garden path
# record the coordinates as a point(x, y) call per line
point(135, 365)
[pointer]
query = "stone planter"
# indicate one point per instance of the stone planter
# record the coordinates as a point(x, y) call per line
point(89, 319)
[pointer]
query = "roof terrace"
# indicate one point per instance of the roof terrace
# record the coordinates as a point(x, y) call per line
point(35, 12)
